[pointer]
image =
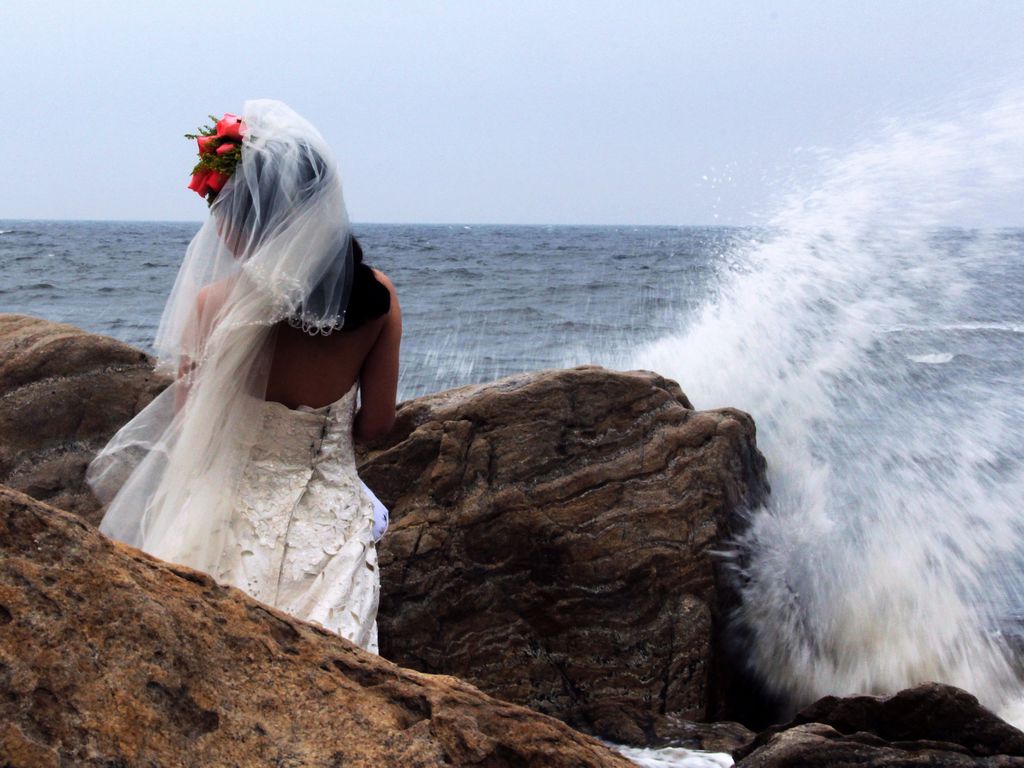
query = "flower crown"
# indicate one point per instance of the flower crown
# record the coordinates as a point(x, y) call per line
point(220, 150)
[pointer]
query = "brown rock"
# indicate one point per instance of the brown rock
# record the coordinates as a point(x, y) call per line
point(63, 393)
point(552, 543)
point(816, 744)
point(931, 711)
point(110, 657)
point(931, 724)
point(720, 736)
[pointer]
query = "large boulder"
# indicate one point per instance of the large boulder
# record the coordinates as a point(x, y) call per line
point(932, 724)
point(110, 657)
point(63, 393)
point(815, 744)
point(553, 542)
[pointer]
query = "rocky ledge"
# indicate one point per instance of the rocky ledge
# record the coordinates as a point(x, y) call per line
point(934, 725)
point(63, 393)
point(111, 657)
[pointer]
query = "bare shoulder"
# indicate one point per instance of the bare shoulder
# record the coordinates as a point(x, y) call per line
point(203, 297)
point(384, 280)
point(212, 296)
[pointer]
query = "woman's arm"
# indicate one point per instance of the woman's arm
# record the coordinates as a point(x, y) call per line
point(189, 340)
point(378, 378)
point(209, 300)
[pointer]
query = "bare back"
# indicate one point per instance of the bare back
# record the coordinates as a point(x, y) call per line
point(318, 370)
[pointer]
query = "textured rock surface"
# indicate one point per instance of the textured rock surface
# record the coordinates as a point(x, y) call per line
point(551, 542)
point(931, 724)
point(816, 744)
point(720, 736)
point(109, 657)
point(63, 393)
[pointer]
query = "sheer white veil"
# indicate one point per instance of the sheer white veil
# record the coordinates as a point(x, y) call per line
point(276, 247)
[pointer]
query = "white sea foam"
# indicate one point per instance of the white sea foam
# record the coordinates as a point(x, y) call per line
point(890, 551)
point(1008, 327)
point(933, 358)
point(674, 757)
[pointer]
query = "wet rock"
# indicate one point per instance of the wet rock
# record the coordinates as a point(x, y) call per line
point(110, 657)
point(931, 724)
point(816, 744)
point(552, 542)
point(721, 736)
point(63, 393)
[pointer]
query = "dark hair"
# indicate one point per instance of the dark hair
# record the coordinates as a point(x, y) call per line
point(369, 298)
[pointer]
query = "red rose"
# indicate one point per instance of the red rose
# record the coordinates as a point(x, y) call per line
point(216, 181)
point(230, 127)
point(205, 144)
point(200, 182)
point(226, 147)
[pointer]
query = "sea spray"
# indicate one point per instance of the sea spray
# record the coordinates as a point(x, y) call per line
point(890, 552)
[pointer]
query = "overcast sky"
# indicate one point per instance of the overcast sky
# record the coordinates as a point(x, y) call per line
point(520, 112)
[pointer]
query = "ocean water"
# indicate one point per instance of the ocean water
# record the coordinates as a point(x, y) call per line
point(478, 302)
point(876, 338)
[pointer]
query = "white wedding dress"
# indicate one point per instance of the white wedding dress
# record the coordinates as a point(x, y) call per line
point(302, 533)
point(210, 475)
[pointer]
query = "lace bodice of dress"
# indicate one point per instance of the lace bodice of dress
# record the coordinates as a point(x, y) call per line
point(303, 528)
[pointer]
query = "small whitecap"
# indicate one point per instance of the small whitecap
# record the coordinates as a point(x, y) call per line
point(934, 358)
point(673, 757)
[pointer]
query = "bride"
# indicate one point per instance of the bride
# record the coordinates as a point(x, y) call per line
point(244, 467)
